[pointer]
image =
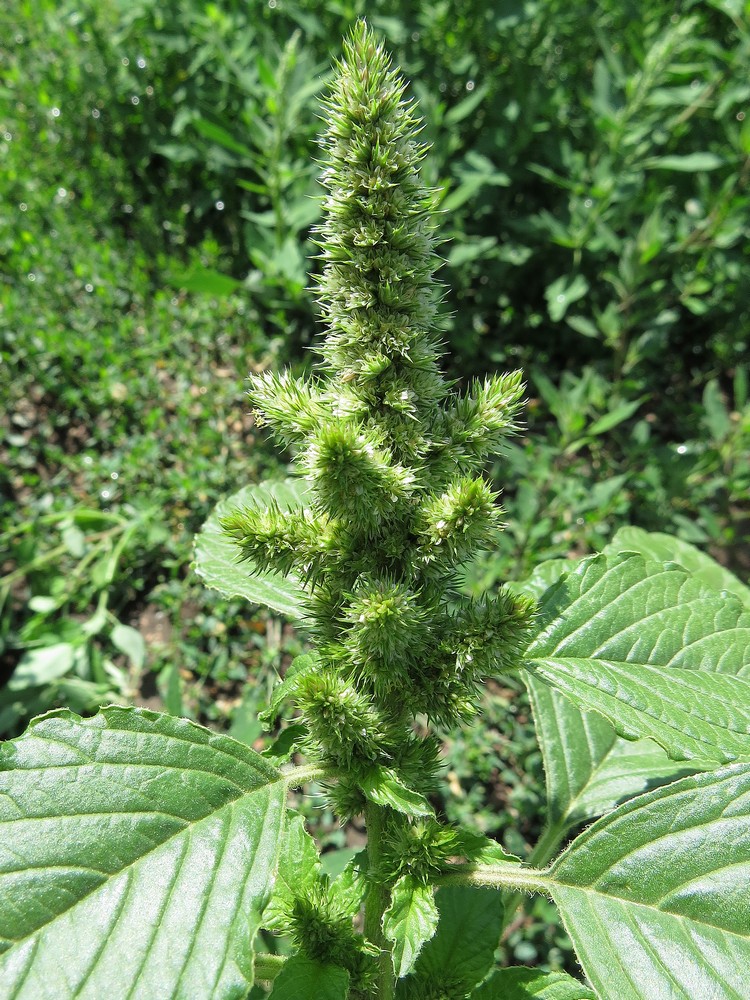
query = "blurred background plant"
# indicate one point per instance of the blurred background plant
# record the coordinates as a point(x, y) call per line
point(591, 162)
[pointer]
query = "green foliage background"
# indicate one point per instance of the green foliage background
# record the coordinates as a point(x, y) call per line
point(159, 186)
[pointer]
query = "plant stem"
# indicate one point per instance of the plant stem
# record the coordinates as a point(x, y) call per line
point(544, 850)
point(296, 776)
point(376, 903)
point(267, 967)
point(498, 876)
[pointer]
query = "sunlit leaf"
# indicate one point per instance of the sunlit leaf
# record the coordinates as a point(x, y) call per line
point(136, 855)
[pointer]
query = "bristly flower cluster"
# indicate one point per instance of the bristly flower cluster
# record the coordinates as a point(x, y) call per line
point(393, 456)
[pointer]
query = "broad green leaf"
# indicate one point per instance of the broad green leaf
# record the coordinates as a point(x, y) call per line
point(531, 984)
point(615, 631)
point(136, 854)
point(305, 979)
point(385, 788)
point(588, 768)
point(654, 896)
point(692, 714)
point(298, 870)
point(409, 922)
point(666, 548)
point(462, 951)
point(217, 555)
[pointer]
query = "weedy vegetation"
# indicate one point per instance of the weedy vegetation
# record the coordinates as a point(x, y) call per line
point(146, 855)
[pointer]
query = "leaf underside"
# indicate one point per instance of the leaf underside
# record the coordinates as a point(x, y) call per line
point(217, 559)
point(656, 653)
point(136, 855)
point(589, 768)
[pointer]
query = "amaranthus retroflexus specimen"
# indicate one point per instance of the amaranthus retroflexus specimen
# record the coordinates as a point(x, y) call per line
point(397, 501)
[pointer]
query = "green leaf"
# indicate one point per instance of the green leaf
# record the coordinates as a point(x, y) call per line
point(206, 281)
point(465, 107)
point(170, 685)
point(562, 293)
point(298, 870)
point(588, 768)
point(690, 163)
point(349, 889)
point(286, 742)
point(409, 922)
point(136, 855)
point(384, 788)
point(531, 984)
point(299, 668)
point(462, 951)
point(217, 555)
point(666, 548)
point(614, 633)
point(40, 666)
point(470, 249)
point(74, 540)
point(655, 897)
point(620, 413)
point(130, 642)
point(223, 137)
point(303, 978)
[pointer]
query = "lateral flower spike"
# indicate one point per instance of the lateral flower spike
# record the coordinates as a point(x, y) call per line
point(393, 456)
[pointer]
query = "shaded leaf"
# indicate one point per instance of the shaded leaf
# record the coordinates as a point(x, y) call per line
point(531, 984)
point(462, 951)
point(304, 977)
point(217, 555)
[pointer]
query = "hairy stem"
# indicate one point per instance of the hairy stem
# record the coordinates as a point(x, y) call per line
point(377, 902)
point(542, 854)
point(498, 876)
point(267, 967)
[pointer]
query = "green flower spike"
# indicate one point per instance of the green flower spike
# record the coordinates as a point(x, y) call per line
point(393, 457)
